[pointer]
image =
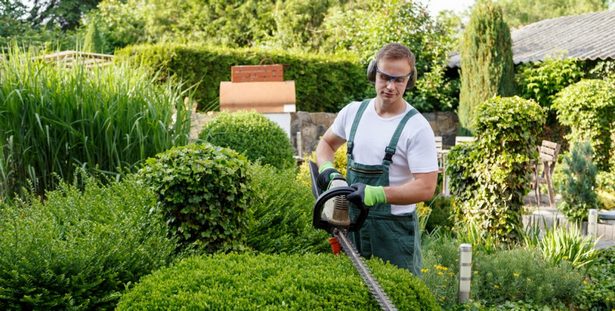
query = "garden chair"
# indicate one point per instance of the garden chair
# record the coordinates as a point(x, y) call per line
point(464, 139)
point(442, 164)
point(543, 170)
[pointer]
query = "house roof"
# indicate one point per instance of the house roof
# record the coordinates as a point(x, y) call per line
point(587, 36)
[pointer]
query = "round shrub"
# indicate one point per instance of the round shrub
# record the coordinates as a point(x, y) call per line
point(252, 134)
point(281, 214)
point(588, 108)
point(273, 282)
point(79, 249)
point(203, 194)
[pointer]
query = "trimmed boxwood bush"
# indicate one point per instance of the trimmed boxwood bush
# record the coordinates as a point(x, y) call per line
point(281, 214)
point(273, 282)
point(588, 108)
point(324, 82)
point(490, 177)
point(79, 249)
point(251, 134)
point(203, 194)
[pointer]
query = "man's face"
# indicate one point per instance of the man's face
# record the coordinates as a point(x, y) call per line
point(392, 76)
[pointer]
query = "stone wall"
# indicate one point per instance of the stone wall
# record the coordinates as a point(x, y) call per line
point(312, 125)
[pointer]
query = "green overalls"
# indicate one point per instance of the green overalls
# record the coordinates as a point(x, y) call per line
point(393, 238)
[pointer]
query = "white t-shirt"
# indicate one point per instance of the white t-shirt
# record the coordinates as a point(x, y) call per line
point(416, 148)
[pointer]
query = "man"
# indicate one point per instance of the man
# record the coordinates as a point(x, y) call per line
point(392, 160)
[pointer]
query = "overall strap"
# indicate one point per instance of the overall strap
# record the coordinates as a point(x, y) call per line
point(355, 124)
point(392, 147)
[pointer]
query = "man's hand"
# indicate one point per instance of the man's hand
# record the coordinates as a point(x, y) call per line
point(327, 173)
point(368, 195)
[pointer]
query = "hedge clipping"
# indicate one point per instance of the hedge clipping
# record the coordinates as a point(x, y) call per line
point(273, 282)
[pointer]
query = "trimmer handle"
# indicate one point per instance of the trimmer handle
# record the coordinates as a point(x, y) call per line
point(329, 194)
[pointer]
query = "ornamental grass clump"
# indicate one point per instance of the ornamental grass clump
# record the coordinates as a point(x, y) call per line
point(101, 118)
point(273, 282)
point(203, 193)
point(568, 244)
point(81, 247)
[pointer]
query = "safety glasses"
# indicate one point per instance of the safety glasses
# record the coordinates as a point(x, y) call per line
point(391, 78)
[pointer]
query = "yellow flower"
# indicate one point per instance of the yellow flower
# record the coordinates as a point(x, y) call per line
point(424, 270)
point(496, 286)
point(515, 274)
point(440, 267)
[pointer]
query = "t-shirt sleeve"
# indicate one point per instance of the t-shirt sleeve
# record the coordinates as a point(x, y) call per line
point(339, 124)
point(422, 153)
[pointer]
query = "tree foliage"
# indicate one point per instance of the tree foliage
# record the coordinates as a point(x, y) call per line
point(518, 13)
point(63, 13)
point(487, 67)
point(318, 26)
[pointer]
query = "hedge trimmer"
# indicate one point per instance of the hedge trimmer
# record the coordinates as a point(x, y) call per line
point(331, 214)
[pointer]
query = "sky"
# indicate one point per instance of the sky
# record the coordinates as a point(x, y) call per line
point(458, 6)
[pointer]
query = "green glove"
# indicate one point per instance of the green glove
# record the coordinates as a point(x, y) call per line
point(368, 195)
point(327, 174)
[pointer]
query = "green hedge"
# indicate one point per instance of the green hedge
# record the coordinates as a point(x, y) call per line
point(323, 82)
point(281, 214)
point(490, 177)
point(79, 249)
point(253, 135)
point(588, 108)
point(203, 194)
point(273, 282)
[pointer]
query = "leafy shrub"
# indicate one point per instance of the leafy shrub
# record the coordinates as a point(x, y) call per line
point(106, 118)
point(251, 134)
point(490, 177)
point(273, 282)
point(281, 214)
point(605, 183)
point(440, 215)
point(599, 290)
point(204, 67)
point(440, 270)
point(339, 161)
point(79, 249)
point(542, 81)
point(588, 108)
point(577, 189)
point(203, 194)
point(363, 28)
point(522, 275)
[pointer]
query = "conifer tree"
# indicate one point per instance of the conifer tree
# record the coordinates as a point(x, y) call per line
point(487, 67)
point(94, 41)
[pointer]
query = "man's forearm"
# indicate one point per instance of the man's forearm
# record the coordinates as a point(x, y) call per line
point(420, 189)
